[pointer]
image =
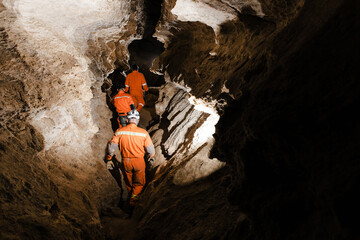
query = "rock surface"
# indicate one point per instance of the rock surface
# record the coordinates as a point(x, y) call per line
point(54, 117)
point(289, 129)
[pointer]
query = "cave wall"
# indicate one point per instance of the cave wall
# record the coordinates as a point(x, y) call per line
point(55, 122)
point(300, 131)
point(72, 52)
point(289, 133)
point(184, 131)
point(184, 198)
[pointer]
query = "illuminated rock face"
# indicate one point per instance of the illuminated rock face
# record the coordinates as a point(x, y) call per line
point(60, 41)
point(185, 129)
point(257, 135)
point(54, 117)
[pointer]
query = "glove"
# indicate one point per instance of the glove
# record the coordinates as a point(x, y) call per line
point(151, 160)
point(110, 165)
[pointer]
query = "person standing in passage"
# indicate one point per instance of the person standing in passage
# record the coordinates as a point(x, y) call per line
point(132, 142)
point(136, 84)
point(123, 103)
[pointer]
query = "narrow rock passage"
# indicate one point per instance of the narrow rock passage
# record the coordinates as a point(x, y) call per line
point(116, 220)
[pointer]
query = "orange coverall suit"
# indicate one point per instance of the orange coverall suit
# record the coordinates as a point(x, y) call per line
point(122, 102)
point(132, 142)
point(136, 82)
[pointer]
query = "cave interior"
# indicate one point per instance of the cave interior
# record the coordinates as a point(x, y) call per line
point(251, 108)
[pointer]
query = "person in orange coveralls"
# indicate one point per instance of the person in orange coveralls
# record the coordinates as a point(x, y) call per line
point(132, 142)
point(123, 103)
point(135, 83)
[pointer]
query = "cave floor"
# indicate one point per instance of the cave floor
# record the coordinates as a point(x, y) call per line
point(116, 222)
point(118, 225)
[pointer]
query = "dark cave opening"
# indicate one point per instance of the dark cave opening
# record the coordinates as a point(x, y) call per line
point(142, 53)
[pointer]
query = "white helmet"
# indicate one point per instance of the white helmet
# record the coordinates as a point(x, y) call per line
point(133, 114)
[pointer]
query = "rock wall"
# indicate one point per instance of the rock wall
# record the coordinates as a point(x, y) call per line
point(299, 132)
point(288, 131)
point(185, 129)
point(61, 41)
point(55, 122)
point(186, 189)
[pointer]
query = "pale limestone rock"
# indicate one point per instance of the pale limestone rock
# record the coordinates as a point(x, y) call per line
point(188, 134)
point(61, 39)
point(210, 12)
point(202, 11)
point(54, 58)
